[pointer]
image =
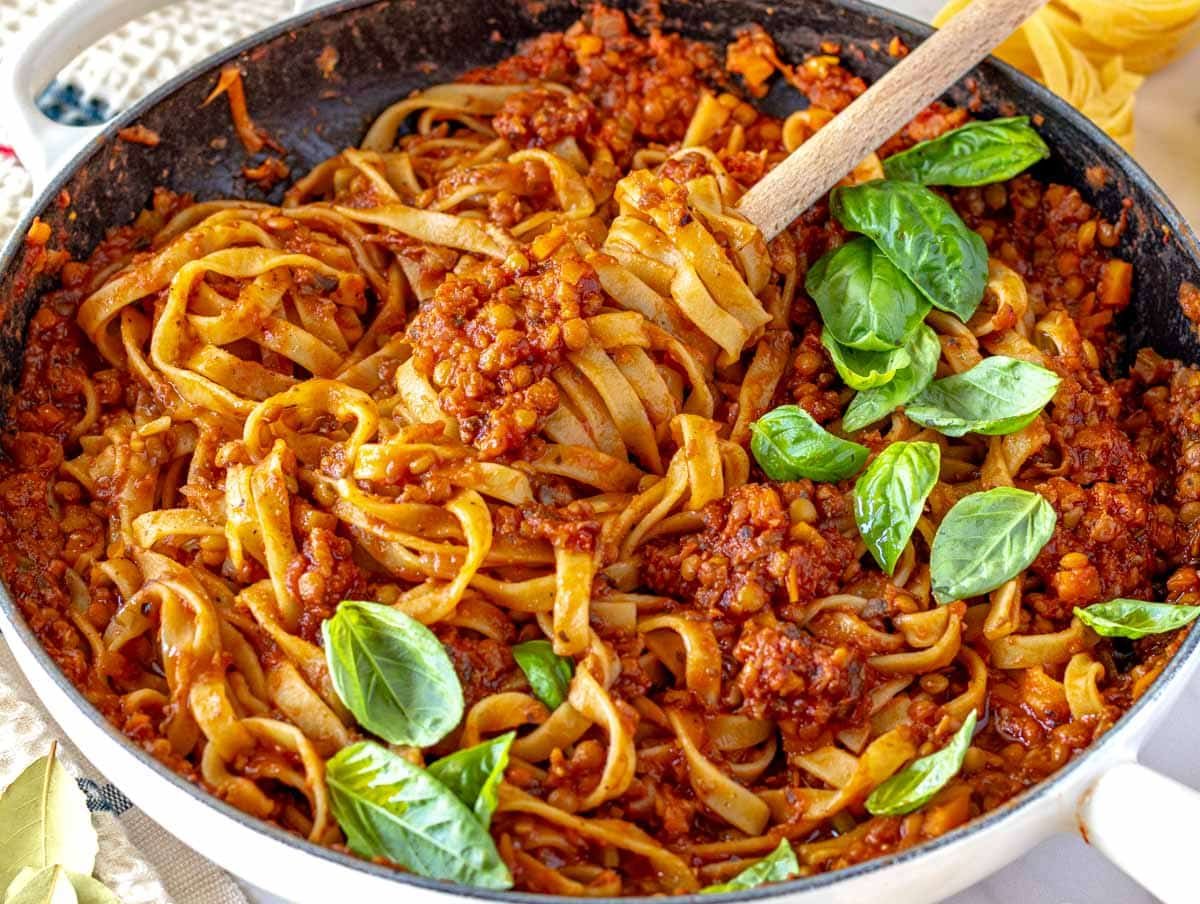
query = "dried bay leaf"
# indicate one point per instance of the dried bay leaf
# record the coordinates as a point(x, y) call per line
point(45, 886)
point(44, 822)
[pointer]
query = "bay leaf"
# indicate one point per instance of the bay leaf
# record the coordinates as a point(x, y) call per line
point(50, 885)
point(87, 889)
point(91, 891)
point(44, 822)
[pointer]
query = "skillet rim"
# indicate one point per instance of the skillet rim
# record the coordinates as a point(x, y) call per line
point(1024, 88)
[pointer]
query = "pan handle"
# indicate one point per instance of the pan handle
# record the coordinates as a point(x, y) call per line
point(1145, 823)
point(38, 55)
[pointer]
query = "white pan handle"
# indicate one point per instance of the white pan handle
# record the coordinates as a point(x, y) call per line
point(37, 56)
point(1145, 823)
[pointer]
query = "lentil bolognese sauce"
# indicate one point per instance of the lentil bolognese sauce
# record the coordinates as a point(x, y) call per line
point(503, 507)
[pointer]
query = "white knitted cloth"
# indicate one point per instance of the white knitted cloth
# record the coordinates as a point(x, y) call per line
point(138, 860)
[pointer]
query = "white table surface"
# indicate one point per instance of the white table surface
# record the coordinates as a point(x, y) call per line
point(1065, 870)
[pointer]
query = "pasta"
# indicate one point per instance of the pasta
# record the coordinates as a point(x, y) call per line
point(470, 472)
point(1095, 53)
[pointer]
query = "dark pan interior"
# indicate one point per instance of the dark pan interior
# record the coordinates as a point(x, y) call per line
point(387, 49)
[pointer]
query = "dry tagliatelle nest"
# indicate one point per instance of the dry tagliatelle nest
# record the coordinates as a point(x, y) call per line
point(1096, 53)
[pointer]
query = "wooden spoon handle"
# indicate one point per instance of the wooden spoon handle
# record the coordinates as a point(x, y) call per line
point(886, 107)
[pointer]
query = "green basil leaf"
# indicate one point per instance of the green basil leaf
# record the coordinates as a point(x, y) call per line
point(44, 822)
point(777, 866)
point(549, 674)
point(788, 445)
point(392, 673)
point(998, 395)
point(986, 539)
point(872, 405)
point(474, 774)
point(861, 369)
point(889, 497)
point(49, 885)
point(978, 153)
point(913, 787)
point(922, 235)
point(1135, 618)
point(390, 808)
point(864, 300)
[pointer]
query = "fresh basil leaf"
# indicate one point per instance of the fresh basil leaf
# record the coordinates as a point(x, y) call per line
point(474, 774)
point(44, 822)
point(861, 369)
point(549, 674)
point(387, 807)
point(49, 885)
point(914, 786)
point(865, 301)
point(392, 673)
point(871, 405)
point(788, 445)
point(998, 395)
point(922, 235)
point(889, 497)
point(986, 539)
point(777, 866)
point(1135, 618)
point(978, 153)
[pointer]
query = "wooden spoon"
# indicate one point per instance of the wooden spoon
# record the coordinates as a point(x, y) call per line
point(886, 107)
